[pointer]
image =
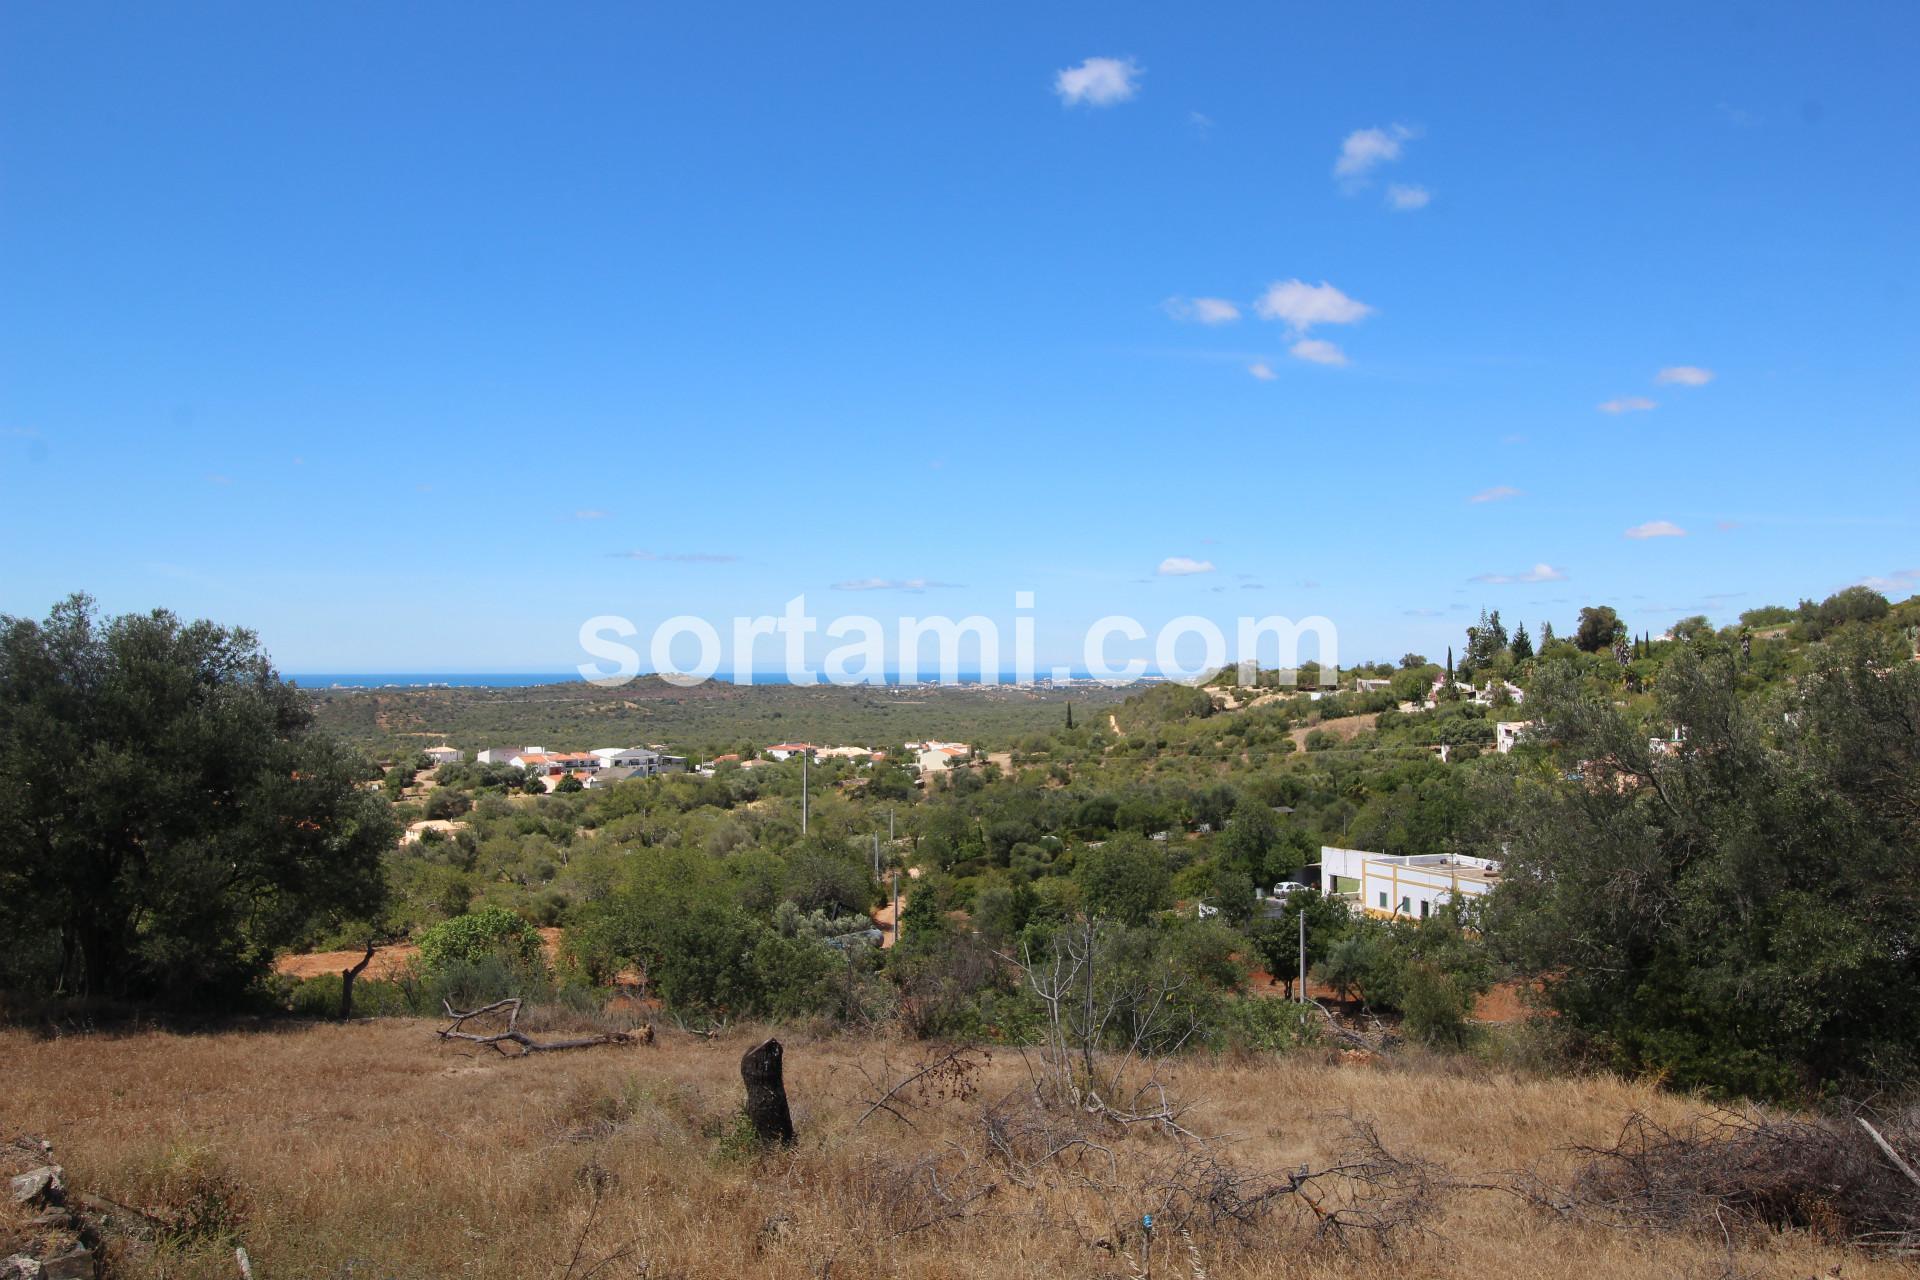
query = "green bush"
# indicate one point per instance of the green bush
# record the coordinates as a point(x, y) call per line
point(470, 939)
point(1269, 1026)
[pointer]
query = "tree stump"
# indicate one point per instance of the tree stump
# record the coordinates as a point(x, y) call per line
point(767, 1094)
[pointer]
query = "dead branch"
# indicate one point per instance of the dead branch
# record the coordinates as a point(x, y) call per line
point(954, 1067)
point(1887, 1150)
point(513, 1035)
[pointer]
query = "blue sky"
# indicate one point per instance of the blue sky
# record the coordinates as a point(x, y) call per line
point(385, 329)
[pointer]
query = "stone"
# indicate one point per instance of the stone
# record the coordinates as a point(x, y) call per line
point(76, 1264)
point(19, 1267)
point(37, 1184)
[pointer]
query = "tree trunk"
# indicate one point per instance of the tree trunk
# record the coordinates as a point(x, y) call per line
point(346, 982)
point(767, 1094)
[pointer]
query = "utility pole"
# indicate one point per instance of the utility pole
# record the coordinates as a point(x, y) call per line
point(804, 756)
point(1303, 957)
point(889, 826)
point(876, 855)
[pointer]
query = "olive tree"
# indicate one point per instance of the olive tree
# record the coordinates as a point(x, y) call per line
point(169, 817)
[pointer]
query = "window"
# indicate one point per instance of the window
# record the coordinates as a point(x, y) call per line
point(1424, 906)
point(1383, 899)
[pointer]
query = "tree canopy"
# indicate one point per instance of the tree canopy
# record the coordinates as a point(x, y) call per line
point(168, 818)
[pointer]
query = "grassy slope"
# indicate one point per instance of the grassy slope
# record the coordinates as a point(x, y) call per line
point(373, 1150)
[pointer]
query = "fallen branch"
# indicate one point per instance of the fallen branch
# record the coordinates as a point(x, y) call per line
point(1886, 1149)
point(881, 1104)
point(513, 1035)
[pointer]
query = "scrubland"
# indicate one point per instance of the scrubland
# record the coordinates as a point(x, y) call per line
point(375, 1150)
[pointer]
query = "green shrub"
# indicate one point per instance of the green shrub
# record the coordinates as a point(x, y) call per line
point(1269, 1026)
point(470, 939)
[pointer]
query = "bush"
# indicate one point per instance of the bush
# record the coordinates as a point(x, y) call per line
point(470, 939)
point(1269, 1026)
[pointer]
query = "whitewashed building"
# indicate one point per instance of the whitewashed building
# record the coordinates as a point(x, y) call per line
point(1403, 886)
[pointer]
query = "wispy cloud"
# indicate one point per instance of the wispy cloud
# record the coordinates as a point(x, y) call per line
point(1657, 529)
point(1625, 404)
point(1262, 370)
point(1202, 310)
point(589, 513)
point(1183, 566)
point(1499, 493)
point(1406, 197)
point(1317, 351)
point(1300, 305)
point(673, 557)
point(1365, 149)
point(1098, 82)
point(1898, 580)
point(1684, 375)
point(1539, 573)
point(1419, 613)
point(914, 585)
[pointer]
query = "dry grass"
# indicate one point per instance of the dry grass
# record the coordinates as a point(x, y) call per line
point(375, 1151)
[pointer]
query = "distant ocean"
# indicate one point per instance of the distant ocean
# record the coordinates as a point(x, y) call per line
point(520, 679)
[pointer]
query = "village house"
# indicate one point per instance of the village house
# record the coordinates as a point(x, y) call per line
point(505, 755)
point(1403, 886)
point(932, 757)
point(788, 750)
point(1508, 734)
point(444, 754)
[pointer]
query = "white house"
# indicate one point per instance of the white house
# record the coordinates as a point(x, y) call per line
point(1372, 686)
point(1403, 886)
point(1508, 734)
point(443, 754)
point(788, 750)
point(505, 755)
point(625, 757)
point(932, 756)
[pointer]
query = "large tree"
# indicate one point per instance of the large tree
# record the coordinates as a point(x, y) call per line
point(168, 816)
point(1599, 627)
point(1742, 912)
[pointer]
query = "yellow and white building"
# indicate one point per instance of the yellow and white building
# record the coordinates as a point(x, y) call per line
point(1403, 886)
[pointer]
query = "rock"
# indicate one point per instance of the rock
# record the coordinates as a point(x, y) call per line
point(38, 1184)
point(19, 1267)
point(76, 1264)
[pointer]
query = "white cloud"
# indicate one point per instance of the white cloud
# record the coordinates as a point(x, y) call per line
point(590, 513)
point(1499, 493)
point(673, 557)
point(1365, 148)
point(1183, 566)
point(1625, 404)
point(1202, 310)
point(1317, 351)
point(1685, 375)
point(1408, 197)
point(1301, 305)
point(1262, 370)
point(915, 585)
point(1657, 529)
point(1098, 82)
point(1539, 573)
point(1898, 580)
